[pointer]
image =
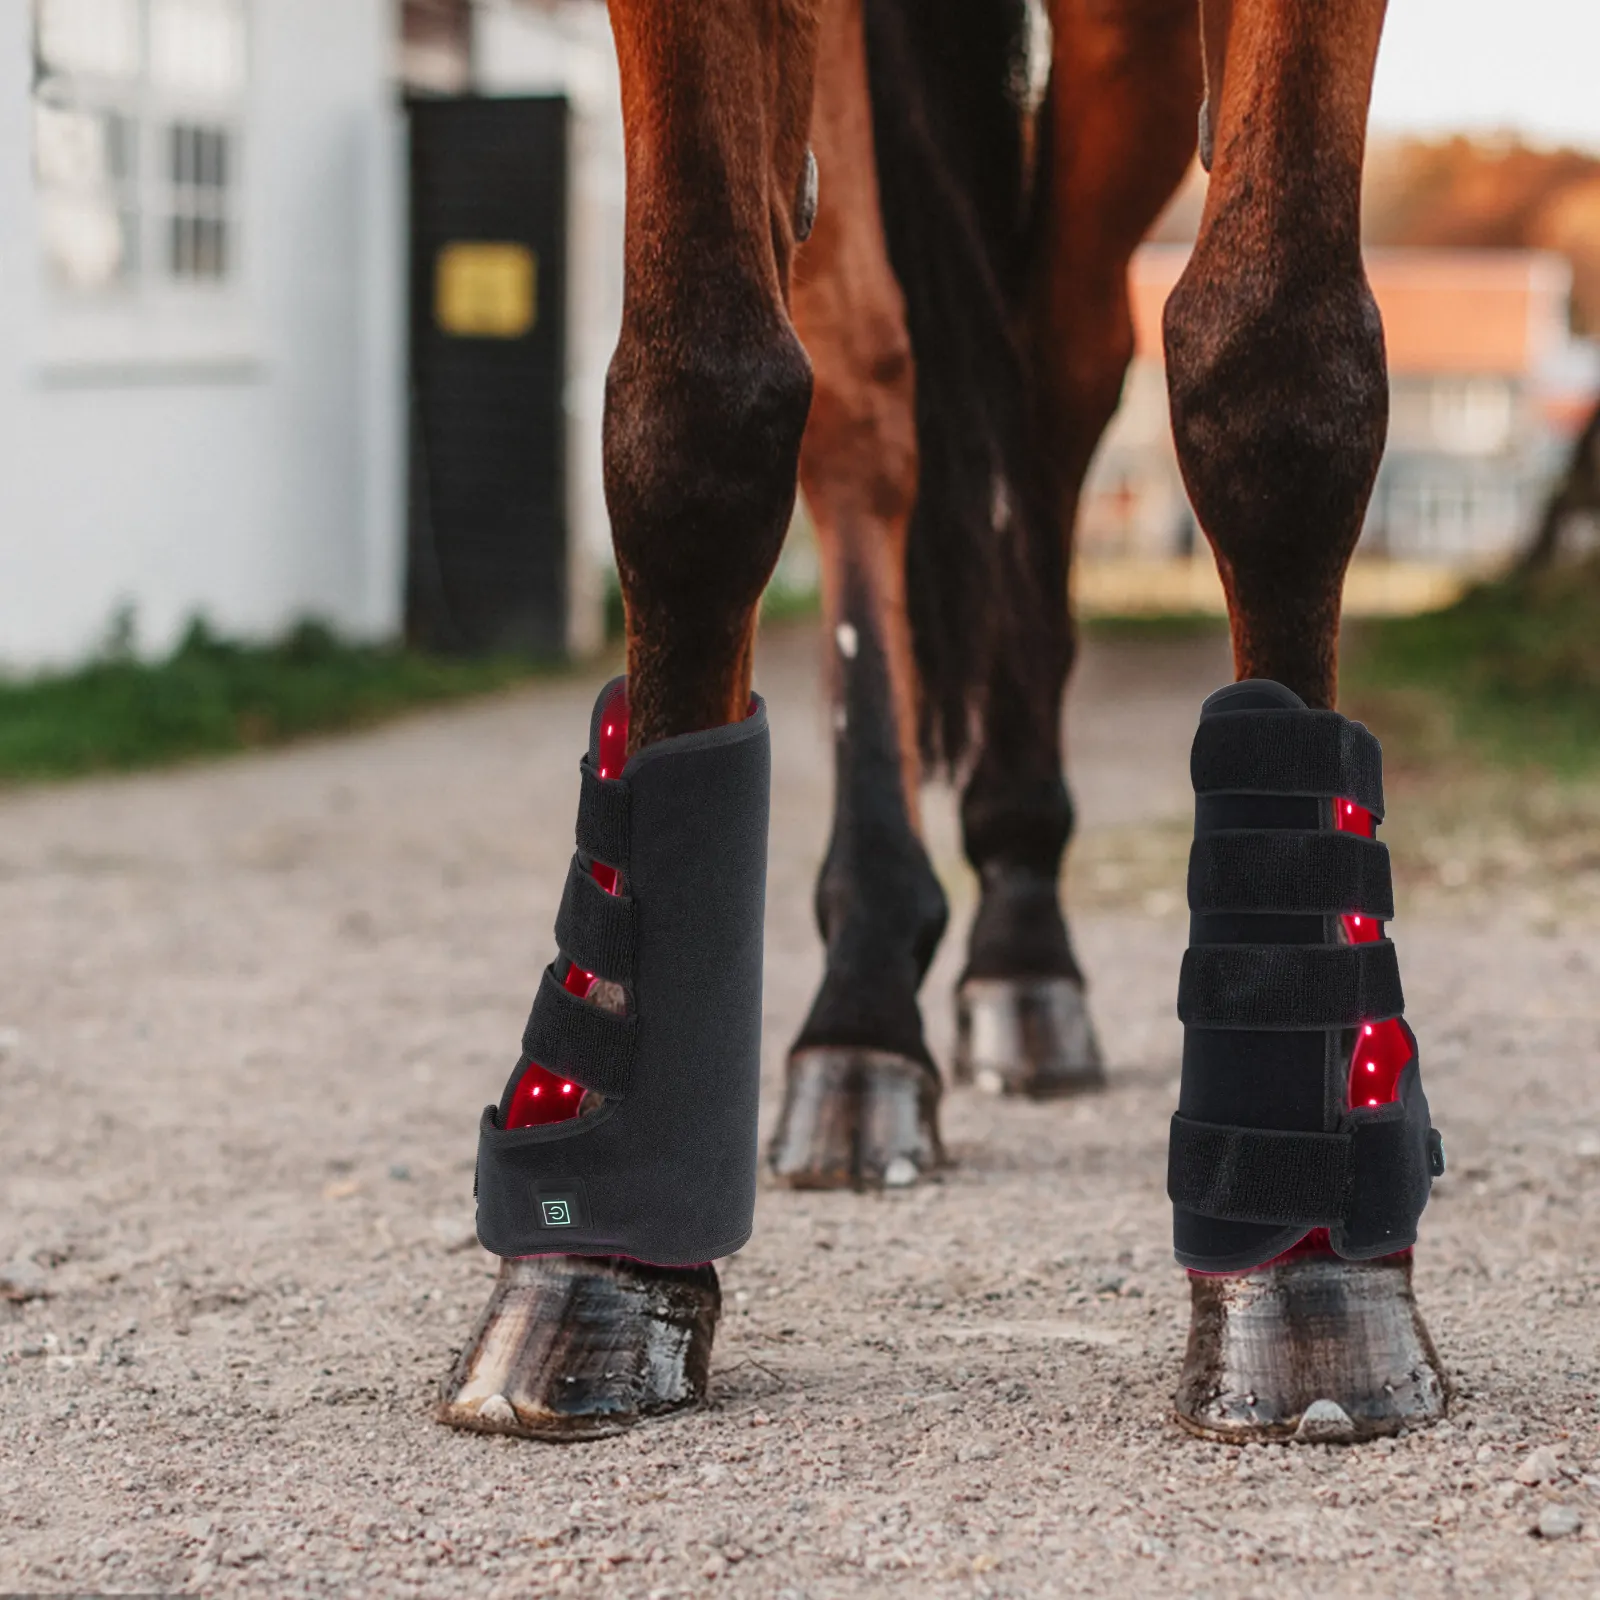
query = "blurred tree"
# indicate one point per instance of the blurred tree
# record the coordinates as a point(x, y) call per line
point(1576, 494)
point(1500, 194)
point(1495, 194)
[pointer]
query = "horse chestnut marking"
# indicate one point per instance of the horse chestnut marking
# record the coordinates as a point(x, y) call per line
point(805, 203)
point(1382, 1049)
point(541, 1097)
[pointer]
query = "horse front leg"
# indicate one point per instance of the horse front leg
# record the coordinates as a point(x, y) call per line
point(648, 1025)
point(861, 1092)
point(1302, 1152)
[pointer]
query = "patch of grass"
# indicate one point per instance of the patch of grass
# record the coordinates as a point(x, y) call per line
point(1512, 667)
point(211, 697)
point(781, 604)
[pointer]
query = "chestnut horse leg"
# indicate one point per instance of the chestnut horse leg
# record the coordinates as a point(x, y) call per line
point(862, 1091)
point(1117, 131)
point(1279, 397)
point(705, 406)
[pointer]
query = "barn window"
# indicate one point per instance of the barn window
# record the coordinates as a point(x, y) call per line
point(137, 113)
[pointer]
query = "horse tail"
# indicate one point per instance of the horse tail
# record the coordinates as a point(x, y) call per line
point(948, 81)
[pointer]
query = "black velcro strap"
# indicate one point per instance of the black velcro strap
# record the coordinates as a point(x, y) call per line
point(595, 929)
point(1287, 752)
point(1289, 986)
point(603, 828)
point(1258, 1174)
point(577, 1040)
point(1259, 869)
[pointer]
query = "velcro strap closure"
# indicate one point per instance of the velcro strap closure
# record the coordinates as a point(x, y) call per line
point(1289, 986)
point(1263, 869)
point(1287, 752)
point(578, 1040)
point(603, 826)
point(594, 928)
point(1259, 1174)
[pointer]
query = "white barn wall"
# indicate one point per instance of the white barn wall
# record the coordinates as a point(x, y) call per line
point(254, 479)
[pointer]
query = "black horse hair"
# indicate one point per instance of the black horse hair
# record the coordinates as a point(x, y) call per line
point(948, 84)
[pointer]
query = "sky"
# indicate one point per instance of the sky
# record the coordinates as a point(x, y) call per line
point(1529, 66)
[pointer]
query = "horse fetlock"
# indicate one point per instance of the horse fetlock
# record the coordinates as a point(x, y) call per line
point(884, 898)
point(1015, 829)
point(1014, 822)
point(1019, 927)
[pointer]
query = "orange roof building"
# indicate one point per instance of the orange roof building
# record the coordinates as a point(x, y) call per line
point(1487, 385)
point(1470, 312)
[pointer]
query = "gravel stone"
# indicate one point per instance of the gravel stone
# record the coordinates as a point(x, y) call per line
point(21, 1280)
point(1538, 1466)
point(1556, 1522)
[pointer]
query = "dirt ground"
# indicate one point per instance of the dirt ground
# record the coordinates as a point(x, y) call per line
point(250, 1013)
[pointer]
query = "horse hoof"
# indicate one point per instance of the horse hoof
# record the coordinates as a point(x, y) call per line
point(1028, 1036)
point(578, 1347)
point(856, 1119)
point(1311, 1348)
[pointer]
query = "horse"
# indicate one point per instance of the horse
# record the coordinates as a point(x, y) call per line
point(880, 249)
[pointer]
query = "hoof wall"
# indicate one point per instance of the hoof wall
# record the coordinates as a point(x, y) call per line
point(1026, 1036)
point(576, 1347)
point(1314, 1349)
point(856, 1119)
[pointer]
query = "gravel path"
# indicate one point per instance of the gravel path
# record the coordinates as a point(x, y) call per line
point(251, 1012)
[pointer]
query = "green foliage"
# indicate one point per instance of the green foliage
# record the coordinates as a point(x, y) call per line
point(212, 696)
point(1516, 663)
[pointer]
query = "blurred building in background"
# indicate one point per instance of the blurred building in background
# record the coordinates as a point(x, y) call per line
point(200, 364)
point(204, 261)
point(1488, 387)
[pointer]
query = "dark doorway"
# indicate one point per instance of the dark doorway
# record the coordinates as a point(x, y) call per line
point(487, 556)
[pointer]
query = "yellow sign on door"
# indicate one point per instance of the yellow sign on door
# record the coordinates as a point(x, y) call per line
point(486, 290)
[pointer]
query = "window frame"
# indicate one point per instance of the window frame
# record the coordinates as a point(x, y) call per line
point(154, 321)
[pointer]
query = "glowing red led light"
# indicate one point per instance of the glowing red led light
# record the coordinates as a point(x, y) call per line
point(1382, 1048)
point(523, 1112)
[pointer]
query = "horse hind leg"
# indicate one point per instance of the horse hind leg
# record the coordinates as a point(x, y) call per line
point(1279, 399)
point(706, 403)
point(861, 1092)
point(1116, 133)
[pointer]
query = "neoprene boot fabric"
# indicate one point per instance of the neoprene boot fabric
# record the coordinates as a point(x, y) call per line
point(665, 1170)
point(1287, 970)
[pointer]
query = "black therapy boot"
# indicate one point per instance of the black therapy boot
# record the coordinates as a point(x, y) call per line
point(621, 1159)
point(1302, 1151)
